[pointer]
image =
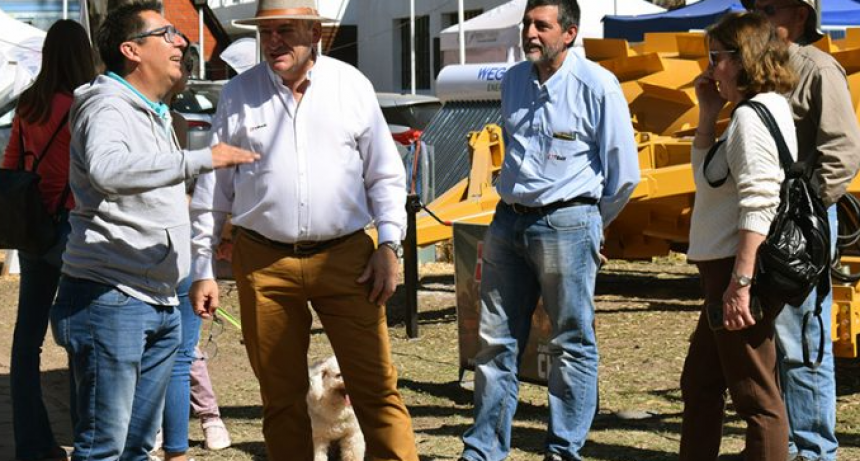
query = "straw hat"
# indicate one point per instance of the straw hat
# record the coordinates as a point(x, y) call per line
point(284, 9)
point(812, 31)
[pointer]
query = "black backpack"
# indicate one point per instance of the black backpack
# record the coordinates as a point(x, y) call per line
point(795, 257)
point(25, 223)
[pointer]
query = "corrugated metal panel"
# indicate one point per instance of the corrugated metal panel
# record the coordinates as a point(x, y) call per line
point(448, 135)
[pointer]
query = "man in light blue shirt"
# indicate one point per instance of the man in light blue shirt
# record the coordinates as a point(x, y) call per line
point(570, 166)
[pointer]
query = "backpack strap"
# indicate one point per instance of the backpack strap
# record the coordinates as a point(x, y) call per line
point(22, 150)
point(798, 170)
point(767, 119)
point(63, 197)
point(821, 291)
point(708, 158)
point(38, 159)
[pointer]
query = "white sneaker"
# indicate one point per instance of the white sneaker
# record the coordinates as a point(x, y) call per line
point(215, 435)
point(159, 441)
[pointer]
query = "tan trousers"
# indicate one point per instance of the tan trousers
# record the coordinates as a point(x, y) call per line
point(274, 290)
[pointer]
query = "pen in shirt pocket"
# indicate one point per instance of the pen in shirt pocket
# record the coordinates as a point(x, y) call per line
point(564, 136)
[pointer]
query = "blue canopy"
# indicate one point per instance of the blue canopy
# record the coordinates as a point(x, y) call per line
point(696, 16)
point(840, 13)
point(702, 14)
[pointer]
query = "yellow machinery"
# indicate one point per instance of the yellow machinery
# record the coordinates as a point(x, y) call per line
point(657, 79)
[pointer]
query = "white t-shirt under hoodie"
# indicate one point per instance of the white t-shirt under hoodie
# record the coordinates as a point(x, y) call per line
point(749, 197)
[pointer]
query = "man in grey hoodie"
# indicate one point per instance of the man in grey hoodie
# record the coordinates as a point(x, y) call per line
point(130, 243)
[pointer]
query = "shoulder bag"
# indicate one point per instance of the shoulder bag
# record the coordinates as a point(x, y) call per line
point(25, 223)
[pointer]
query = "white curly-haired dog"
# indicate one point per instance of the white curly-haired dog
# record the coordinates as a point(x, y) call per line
point(332, 417)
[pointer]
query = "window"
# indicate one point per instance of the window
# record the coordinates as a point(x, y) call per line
point(342, 43)
point(449, 19)
point(423, 72)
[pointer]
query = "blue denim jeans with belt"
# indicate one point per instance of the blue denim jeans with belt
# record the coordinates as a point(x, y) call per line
point(40, 274)
point(526, 256)
point(121, 352)
point(809, 394)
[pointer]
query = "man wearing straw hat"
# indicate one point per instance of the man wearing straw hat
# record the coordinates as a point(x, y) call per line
point(328, 168)
point(827, 137)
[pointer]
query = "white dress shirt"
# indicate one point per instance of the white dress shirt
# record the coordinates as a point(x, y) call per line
point(328, 164)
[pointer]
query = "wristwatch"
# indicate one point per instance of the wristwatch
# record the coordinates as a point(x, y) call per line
point(743, 280)
point(394, 246)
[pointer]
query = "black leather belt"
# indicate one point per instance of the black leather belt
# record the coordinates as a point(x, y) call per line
point(545, 209)
point(298, 248)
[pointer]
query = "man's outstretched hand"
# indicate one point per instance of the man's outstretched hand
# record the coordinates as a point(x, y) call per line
point(225, 155)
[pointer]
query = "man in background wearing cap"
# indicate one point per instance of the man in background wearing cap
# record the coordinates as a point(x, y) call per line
point(828, 135)
point(329, 167)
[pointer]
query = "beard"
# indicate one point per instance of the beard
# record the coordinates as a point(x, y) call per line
point(547, 53)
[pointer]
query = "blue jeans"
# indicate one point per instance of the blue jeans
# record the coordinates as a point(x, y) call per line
point(810, 394)
point(555, 256)
point(178, 403)
point(40, 274)
point(121, 352)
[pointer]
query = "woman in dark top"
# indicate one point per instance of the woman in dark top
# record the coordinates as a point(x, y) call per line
point(40, 126)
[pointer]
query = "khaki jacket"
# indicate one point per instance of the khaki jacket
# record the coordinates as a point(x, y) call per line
point(825, 120)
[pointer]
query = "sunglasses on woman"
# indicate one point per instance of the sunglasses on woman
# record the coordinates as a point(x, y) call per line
point(714, 55)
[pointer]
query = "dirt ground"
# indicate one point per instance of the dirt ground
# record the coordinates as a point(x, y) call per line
point(645, 313)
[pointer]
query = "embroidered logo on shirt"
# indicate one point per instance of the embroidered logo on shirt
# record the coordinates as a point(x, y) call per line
point(556, 156)
point(253, 128)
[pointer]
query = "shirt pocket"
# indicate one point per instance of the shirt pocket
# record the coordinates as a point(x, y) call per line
point(560, 157)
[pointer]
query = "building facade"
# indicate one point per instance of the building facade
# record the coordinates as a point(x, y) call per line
point(374, 35)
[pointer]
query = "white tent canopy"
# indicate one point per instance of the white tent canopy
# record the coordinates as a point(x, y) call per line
point(494, 36)
point(242, 54)
point(20, 56)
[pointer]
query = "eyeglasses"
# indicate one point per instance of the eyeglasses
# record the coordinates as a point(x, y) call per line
point(169, 33)
point(770, 10)
point(714, 55)
point(210, 348)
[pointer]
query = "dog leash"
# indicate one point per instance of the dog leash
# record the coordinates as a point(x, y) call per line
point(229, 318)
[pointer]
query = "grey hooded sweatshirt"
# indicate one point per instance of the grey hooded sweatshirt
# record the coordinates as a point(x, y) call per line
point(130, 225)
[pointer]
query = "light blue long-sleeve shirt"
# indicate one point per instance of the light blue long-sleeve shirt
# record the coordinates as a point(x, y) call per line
point(568, 137)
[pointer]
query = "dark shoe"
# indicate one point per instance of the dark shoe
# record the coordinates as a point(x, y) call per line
point(555, 457)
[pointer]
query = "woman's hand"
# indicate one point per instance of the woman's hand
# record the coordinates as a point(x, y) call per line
point(736, 307)
point(710, 101)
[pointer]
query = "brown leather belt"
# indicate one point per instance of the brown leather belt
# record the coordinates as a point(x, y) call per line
point(298, 248)
point(546, 209)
